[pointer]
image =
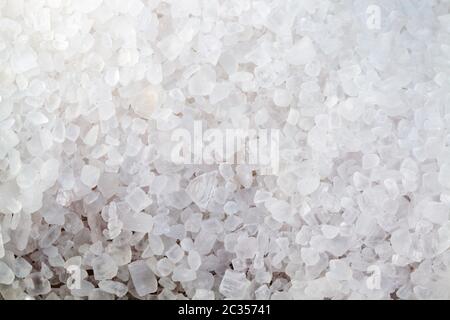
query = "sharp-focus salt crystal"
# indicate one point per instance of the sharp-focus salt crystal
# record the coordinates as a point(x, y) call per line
point(138, 200)
point(175, 253)
point(280, 210)
point(204, 242)
point(165, 267)
point(104, 267)
point(234, 285)
point(113, 287)
point(144, 280)
point(194, 260)
point(201, 189)
point(90, 175)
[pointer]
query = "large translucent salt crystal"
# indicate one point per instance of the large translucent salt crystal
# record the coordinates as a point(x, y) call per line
point(308, 184)
point(138, 200)
point(23, 59)
point(401, 242)
point(202, 188)
point(339, 270)
point(104, 267)
point(171, 46)
point(6, 274)
point(143, 278)
point(204, 242)
point(147, 102)
point(175, 253)
point(280, 209)
point(234, 285)
point(202, 82)
point(303, 52)
point(113, 287)
point(194, 260)
point(90, 175)
point(282, 98)
point(182, 274)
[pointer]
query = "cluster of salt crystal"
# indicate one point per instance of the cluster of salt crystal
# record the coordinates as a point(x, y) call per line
point(91, 207)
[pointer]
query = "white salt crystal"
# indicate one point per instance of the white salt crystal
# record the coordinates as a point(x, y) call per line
point(22, 268)
point(231, 207)
point(138, 222)
point(201, 189)
point(329, 231)
point(444, 175)
point(91, 136)
point(203, 294)
point(90, 175)
point(202, 82)
point(302, 52)
point(401, 242)
point(293, 117)
point(194, 260)
point(280, 209)
point(370, 161)
point(87, 6)
point(339, 270)
point(113, 287)
point(282, 98)
point(147, 102)
point(104, 267)
point(309, 256)
point(234, 285)
point(165, 267)
point(308, 184)
point(23, 59)
point(112, 76)
point(6, 274)
point(27, 177)
point(171, 47)
point(204, 242)
point(138, 200)
point(2, 248)
point(436, 212)
point(175, 253)
point(143, 278)
point(106, 110)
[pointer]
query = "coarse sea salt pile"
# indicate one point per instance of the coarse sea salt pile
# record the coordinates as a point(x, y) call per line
point(92, 208)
